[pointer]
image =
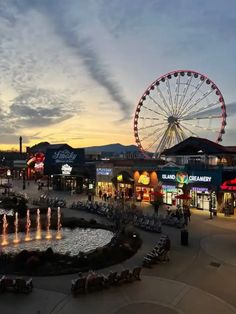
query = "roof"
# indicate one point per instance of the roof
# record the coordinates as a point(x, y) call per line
point(44, 146)
point(231, 149)
point(196, 146)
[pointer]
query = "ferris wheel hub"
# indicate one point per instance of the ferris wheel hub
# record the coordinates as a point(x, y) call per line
point(172, 120)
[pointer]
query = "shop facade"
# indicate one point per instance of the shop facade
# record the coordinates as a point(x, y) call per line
point(64, 168)
point(104, 175)
point(145, 185)
point(228, 193)
point(201, 185)
point(115, 181)
point(124, 185)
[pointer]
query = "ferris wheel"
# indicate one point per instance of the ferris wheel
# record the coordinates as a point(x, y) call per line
point(177, 105)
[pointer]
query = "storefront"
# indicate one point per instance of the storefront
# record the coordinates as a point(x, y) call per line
point(228, 189)
point(65, 168)
point(104, 175)
point(201, 185)
point(170, 188)
point(145, 183)
point(124, 185)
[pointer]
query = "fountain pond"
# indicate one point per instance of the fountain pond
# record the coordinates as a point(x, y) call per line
point(62, 240)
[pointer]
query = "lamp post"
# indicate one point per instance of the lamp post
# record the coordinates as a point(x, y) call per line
point(210, 205)
point(23, 179)
point(8, 182)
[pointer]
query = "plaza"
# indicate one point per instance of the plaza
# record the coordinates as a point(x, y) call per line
point(198, 278)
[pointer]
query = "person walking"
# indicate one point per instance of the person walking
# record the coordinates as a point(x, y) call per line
point(100, 193)
point(188, 212)
point(105, 196)
point(167, 247)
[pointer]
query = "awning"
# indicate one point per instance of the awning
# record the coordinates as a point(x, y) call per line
point(183, 197)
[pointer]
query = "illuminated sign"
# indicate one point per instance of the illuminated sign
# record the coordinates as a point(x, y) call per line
point(104, 171)
point(144, 179)
point(199, 179)
point(168, 176)
point(39, 166)
point(229, 185)
point(169, 188)
point(37, 158)
point(199, 189)
point(66, 169)
point(64, 156)
point(182, 177)
point(119, 178)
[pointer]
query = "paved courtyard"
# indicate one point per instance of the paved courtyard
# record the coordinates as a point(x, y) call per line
point(199, 278)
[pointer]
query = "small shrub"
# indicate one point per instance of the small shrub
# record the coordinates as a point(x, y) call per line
point(33, 263)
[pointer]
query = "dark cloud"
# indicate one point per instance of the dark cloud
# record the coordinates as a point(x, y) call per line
point(230, 110)
point(70, 31)
point(38, 108)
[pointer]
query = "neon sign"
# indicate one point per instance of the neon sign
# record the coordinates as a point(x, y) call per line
point(66, 169)
point(144, 179)
point(119, 178)
point(229, 185)
point(182, 177)
point(104, 171)
point(64, 156)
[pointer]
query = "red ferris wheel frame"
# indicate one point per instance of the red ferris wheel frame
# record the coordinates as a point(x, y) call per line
point(168, 76)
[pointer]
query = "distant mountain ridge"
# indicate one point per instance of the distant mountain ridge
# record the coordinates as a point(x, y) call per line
point(112, 148)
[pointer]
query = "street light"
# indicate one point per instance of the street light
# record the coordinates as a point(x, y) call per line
point(23, 178)
point(8, 182)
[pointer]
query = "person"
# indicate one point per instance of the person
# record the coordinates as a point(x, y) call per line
point(91, 275)
point(177, 213)
point(185, 218)
point(105, 196)
point(188, 214)
point(89, 197)
point(100, 193)
point(167, 247)
point(141, 195)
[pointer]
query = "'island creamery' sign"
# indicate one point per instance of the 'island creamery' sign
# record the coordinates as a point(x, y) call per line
point(183, 177)
point(64, 156)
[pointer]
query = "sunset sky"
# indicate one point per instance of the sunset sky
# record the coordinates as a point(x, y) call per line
point(73, 70)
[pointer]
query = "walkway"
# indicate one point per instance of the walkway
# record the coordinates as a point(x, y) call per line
point(198, 279)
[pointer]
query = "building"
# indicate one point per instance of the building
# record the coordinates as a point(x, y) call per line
point(204, 167)
point(62, 165)
point(127, 178)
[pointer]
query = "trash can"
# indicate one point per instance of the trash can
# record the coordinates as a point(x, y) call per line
point(184, 237)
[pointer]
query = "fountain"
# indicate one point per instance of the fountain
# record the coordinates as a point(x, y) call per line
point(4, 230)
point(71, 242)
point(38, 230)
point(38, 234)
point(48, 234)
point(58, 236)
point(28, 224)
point(16, 238)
